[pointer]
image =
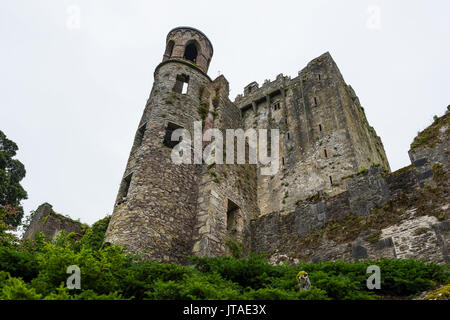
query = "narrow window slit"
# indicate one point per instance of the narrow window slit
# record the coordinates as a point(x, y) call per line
point(232, 217)
point(140, 135)
point(171, 127)
point(124, 188)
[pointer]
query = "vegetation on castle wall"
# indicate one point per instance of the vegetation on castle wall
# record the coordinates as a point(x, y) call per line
point(429, 136)
point(235, 248)
point(203, 109)
point(439, 176)
point(426, 201)
point(440, 294)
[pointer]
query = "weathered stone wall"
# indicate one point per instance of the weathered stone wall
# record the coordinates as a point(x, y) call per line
point(49, 223)
point(221, 183)
point(404, 214)
point(159, 212)
point(324, 135)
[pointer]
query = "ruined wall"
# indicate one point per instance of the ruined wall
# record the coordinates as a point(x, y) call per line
point(404, 214)
point(46, 221)
point(324, 135)
point(221, 183)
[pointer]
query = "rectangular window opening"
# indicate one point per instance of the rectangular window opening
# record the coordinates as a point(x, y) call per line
point(140, 135)
point(232, 217)
point(184, 89)
point(181, 84)
point(325, 153)
point(320, 127)
point(315, 101)
point(331, 180)
point(124, 188)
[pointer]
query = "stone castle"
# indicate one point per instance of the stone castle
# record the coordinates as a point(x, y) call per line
point(169, 209)
point(332, 198)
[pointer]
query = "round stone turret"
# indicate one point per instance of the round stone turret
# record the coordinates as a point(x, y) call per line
point(189, 45)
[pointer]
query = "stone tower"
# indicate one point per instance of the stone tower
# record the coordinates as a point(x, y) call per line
point(324, 133)
point(157, 200)
point(166, 210)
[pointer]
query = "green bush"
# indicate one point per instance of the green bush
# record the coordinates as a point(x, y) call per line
point(18, 262)
point(94, 236)
point(195, 287)
point(37, 270)
point(16, 289)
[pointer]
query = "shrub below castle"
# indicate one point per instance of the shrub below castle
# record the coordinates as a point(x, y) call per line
point(37, 270)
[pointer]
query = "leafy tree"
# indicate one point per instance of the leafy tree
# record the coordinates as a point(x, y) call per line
point(12, 171)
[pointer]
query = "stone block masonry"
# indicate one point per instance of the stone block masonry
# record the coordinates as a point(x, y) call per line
point(50, 223)
point(404, 214)
point(324, 133)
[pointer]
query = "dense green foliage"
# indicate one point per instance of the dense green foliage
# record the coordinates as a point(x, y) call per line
point(12, 171)
point(37, 270)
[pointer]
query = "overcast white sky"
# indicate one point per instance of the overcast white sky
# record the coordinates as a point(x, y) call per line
point(71, 98)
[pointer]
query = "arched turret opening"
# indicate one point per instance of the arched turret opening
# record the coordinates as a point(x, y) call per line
point(190, 45)
point(169, 48)
point(191, 52)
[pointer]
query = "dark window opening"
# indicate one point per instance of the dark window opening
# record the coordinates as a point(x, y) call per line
point(124, 187)
point(325, 153)
point(320, 127)
point(140, 135)
point(232, 217)
point(282, 161)
point(181, 84)
point(171, 127)
point(318, 76)
point(331, 180)
point(105, 245)
point(276, 106)
point(288, 136)
point(315, 101)
point(190, 52)
point(169, 49)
